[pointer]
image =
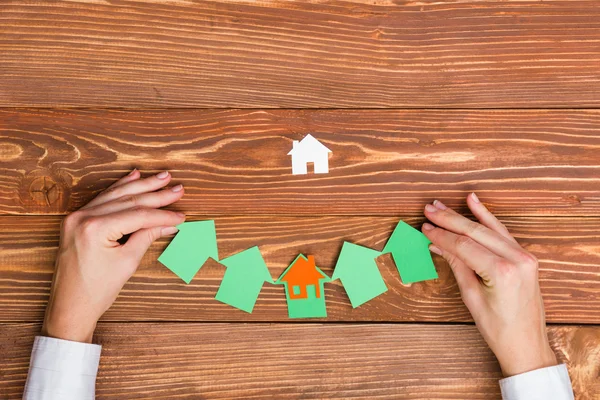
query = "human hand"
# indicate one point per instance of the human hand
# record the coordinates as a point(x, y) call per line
point(498, 281)
point(92, 266)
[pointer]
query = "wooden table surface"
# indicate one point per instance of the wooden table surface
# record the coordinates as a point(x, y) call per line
point(417, 101)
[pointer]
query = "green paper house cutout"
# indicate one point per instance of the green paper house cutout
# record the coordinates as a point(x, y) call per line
point(410, 251)
point(243, 280)
point(195, 243)
point(357, 269)
point(303, 282)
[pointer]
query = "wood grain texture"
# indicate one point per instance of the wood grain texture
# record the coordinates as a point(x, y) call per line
point(301, 361)
point(568, 250)
point(165, 60)
point(384, 162)
point(338, 54)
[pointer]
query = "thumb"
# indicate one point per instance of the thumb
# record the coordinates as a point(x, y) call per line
point(139, 242)
point(466, 278)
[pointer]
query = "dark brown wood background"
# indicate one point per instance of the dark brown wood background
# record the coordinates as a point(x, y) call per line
point(417, 100)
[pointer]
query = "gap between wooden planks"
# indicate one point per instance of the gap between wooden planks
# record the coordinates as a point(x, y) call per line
point(567, 249)
point(384, 162)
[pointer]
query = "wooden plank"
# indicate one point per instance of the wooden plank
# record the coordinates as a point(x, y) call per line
point(309, 361)
point(384, 162)
point(568, 250)
point(247, 54)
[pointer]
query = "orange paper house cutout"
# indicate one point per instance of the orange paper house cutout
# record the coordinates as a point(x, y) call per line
point(303, 273)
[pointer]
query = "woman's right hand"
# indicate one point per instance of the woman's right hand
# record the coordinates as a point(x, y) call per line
point(498, 281)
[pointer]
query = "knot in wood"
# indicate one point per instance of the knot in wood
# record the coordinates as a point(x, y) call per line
point(44, 190)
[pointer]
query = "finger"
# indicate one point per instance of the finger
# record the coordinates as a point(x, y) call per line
point(157, 199)
point(132, 176)
point(116, 225)
point(140, 241)
point(135, 187)
point(139, 186)
point(469, 252)
point(486, 217)
point(460, 225)
point(465, 277)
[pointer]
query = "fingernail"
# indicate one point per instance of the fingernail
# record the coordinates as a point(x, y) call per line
point(177, 188)
point(170, 230)
point(132, 172)
point(434, 249)
point(427, 226)
point(475, 198)
point(180, 214)
point(430, 208)
point(162, 175)
point(439, 204)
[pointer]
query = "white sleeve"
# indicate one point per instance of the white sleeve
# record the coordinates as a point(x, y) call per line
point(62, 370)
point(540, 384)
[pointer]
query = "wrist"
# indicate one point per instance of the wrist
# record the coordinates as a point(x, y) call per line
point(57, 326)
point(525, 362)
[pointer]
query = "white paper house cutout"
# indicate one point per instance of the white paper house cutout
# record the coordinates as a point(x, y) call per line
point(309, 150)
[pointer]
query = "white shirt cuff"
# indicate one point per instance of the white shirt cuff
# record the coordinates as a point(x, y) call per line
point(62, 370)
point(540, 384)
